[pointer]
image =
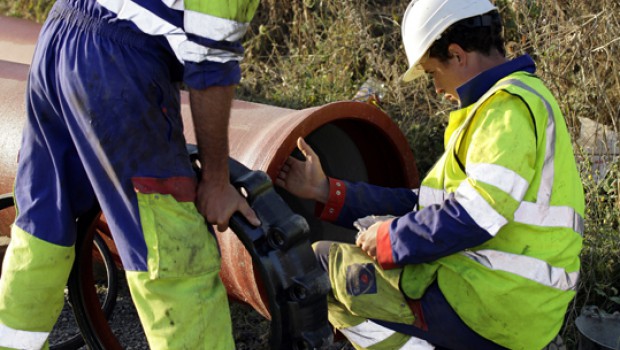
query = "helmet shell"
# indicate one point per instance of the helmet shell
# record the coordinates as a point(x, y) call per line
point(424, 22)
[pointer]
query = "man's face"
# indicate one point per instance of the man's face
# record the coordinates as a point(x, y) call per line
point(447, 76)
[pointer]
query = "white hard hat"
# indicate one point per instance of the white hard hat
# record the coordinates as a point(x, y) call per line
point(424, 22)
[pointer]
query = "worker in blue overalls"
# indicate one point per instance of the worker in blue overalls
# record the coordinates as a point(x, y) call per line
point(104, 124)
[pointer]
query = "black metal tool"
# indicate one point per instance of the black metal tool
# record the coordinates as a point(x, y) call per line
point(296, 285)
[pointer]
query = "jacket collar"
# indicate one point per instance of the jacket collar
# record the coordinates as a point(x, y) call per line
point(473, 89)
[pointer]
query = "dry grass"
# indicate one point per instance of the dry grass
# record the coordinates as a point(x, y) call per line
point(311, 52)
point(302, 54)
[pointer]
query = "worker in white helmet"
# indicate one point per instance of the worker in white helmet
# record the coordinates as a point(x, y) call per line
point(489, 256)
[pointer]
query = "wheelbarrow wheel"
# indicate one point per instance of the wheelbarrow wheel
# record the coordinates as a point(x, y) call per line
point(105, 278)
point(91, 313)
point(106, 283)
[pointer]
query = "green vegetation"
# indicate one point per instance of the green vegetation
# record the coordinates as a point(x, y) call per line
point(304, 53)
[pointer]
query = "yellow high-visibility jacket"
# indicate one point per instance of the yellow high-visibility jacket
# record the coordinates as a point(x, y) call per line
point(517, 178)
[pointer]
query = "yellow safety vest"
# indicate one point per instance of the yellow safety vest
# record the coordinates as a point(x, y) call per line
point(509, 162)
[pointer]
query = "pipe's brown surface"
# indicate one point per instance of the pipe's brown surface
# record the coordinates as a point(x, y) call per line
point(12, 115)
point(17, 39)
point(355, 141)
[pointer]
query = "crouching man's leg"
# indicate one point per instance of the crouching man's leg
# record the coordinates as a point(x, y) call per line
point(368, 307)
point(363, 296)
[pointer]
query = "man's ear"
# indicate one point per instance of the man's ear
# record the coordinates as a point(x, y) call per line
point(456, 51)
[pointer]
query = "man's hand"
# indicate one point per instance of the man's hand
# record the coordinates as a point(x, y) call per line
point(217, 203)
point(367, 240)
point(304, 179)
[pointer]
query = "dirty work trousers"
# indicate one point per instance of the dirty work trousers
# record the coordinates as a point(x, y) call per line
point(367, 306)
point(103, 121)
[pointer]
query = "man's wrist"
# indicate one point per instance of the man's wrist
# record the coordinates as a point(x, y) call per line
point(322, 192)
point(215, 176)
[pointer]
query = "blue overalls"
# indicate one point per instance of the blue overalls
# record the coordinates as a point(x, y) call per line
point(104, 124)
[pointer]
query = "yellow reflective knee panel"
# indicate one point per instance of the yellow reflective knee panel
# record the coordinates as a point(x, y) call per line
point(34, 276)
point(181, 300)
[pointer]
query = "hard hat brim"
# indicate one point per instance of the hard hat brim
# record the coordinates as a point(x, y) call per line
point(413, 73)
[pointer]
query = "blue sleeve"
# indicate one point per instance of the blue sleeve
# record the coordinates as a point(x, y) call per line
point(205, 74)
point(436, 231)
point(201, 75)
point(363, 199)
point(213, 47)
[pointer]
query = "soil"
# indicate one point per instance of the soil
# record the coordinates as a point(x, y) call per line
point(250, 329)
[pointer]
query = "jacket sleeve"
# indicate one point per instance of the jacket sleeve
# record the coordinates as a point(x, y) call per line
point(426, 235)
point(413, 237)
point(213, 49)
point(349, 201)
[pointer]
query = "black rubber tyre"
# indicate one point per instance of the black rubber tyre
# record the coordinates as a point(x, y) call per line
point(108, 300)
point(92, 317)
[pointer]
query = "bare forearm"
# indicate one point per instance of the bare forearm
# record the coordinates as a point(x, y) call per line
point(211, 115)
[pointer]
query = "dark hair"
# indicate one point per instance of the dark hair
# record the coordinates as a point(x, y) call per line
point(479, 33)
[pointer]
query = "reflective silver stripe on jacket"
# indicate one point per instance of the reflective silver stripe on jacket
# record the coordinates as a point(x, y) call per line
point(429, 196)
point(192, 52)
point(416, 344)
point(200, 24)
point(531, 268)
point(479, 209)
point(16, 339)
point(546, 216)
point(548, 171)
point(174, 4)
point(215, 28)
point(527, 213)
point(500, 177)
point(541, 213)
point(368, 333)
point(147, 22)
point(476, 206)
